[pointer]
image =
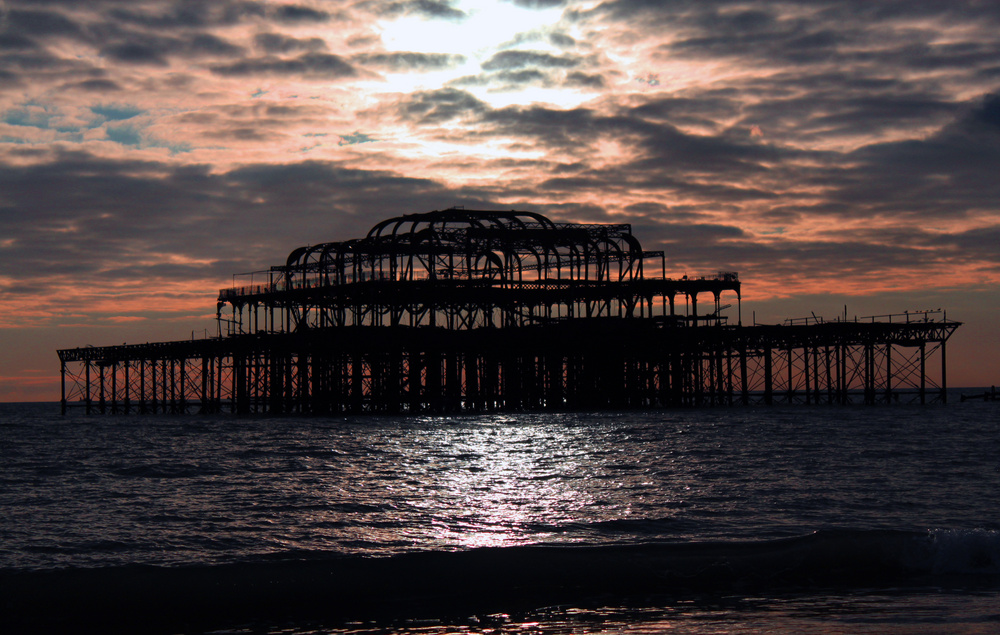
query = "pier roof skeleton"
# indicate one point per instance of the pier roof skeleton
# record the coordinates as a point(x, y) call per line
point(466, 269)
point(480, 235)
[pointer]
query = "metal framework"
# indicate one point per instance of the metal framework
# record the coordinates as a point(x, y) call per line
point(461, 310)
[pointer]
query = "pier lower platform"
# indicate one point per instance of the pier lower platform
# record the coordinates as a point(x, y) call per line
point(600, 363)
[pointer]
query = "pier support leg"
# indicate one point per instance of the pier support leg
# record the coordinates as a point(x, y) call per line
point(944, 375)
point(62, 389)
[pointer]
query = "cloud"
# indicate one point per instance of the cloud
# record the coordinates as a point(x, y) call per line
point(511, 60)
point(985, 116)
point(519, 78)
point(517, 69)
point(578, 79)
point(157, 50)
point(95, 85)
point(540, 4)
point(307, 66)
point(186, 15)
point(136, 53)
point(16, 42)
point(948, 174)
point(406, 61)
point(116, 113)
point(41, 23)
point(439, 9)
point(355, 138)
point(562, 40)
point(298, 13)
point(438, 106)
point(279, 43)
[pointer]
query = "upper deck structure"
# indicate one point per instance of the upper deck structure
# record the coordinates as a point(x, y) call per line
point(463, 270)
point(465, 310)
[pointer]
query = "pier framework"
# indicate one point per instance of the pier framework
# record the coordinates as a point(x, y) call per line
point(461, 310)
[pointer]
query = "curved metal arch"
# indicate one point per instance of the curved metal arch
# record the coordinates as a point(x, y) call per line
point(490, 258)
point(428, 235)
point(450, 215)
point(610, 246)
point(294, 256)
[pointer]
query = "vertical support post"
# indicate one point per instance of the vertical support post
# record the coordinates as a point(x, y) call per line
point(708, 359)
point(205, 375)
point(152, 384)
point(944, 373)
point(241, 401)
point(173, 386)
point(923, 372)
point(842, 371)
point(62, 387)
point(87, 397)
point(128, 388)
point(452, 380)
point(720, 378)
point(815, 360)
point(304, 397)
point(829, 377)
point(472, 398)
point(805, 373)
point(218, 361)
point(869, 373)
point(554, 396)
point(114, 387)
point(414, 380)
point(888, 372)
point(791, 373)
point(100, 375)
point(275, 382)
point(163, 384)
point(182, 393)
point(744, 392)
point(768, 379)
point(142, 386)
point(697, 361)
point(357, 382)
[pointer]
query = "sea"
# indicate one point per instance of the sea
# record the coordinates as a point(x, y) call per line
point(782, 519)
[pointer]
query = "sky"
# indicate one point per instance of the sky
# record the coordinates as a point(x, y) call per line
point(840, 155)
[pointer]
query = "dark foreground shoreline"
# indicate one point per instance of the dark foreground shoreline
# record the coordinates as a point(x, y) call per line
point(154, 599)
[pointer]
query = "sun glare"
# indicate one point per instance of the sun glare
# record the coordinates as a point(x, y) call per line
point(488, 28)
point(489, 25)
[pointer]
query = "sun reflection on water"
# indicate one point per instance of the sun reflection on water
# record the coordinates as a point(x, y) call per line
point(487, 482)
point(504, 481)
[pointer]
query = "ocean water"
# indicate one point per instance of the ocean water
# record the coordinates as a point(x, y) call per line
point(730, 520)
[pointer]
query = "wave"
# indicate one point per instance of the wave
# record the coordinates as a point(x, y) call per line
point(310, 585)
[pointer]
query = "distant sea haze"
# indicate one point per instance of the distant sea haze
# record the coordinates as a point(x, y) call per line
point(782, 519)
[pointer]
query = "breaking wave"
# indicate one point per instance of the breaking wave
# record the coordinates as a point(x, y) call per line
point(315, 585)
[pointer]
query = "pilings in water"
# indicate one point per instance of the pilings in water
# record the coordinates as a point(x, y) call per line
point(478, 311)
point(430, 369)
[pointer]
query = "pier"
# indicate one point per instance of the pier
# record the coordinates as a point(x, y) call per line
point(479, 311)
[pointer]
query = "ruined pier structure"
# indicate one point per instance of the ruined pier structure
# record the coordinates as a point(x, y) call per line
point(461, 310)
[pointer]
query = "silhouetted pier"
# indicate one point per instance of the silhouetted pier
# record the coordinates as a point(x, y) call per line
point(461, 310)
